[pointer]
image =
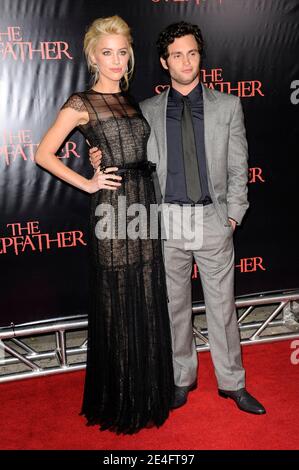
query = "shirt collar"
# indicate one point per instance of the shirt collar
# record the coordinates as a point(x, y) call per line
point(194, 96)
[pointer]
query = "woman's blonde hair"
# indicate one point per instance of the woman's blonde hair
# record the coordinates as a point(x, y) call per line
point(110, 25)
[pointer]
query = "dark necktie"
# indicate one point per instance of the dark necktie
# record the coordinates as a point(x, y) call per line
point(189, 153)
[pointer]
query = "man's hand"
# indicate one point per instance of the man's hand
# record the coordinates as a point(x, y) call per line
point(233, 223)
point(95, 157)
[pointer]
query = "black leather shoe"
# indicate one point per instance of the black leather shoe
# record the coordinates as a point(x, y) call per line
point(243, 400)
point(181, 395)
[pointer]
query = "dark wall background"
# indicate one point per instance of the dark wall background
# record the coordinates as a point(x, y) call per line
point(251, 41)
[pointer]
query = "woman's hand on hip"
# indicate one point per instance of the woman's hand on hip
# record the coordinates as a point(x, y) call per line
point(104, 179)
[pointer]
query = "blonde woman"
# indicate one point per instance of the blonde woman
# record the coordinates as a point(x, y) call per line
point(129, 375)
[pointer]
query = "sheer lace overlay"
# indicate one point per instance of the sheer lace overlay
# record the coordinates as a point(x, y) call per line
point(129, 375)
point(75, 102)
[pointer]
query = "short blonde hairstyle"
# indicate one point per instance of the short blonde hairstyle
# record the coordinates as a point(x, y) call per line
point(110, 25)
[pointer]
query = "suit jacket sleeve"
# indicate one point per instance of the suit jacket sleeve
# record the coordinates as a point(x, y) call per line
point(152, 148)
point(237, 202)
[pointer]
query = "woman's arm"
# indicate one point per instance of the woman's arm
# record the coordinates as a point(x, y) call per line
point(67, 119)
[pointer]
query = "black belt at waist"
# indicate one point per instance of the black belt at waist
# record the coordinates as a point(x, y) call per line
point(205, 202)
point(144, 168)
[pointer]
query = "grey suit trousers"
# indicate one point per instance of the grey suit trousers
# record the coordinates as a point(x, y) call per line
point(213, 252)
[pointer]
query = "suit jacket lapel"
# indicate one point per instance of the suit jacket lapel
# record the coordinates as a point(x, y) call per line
point(210, 119)
point(161, 136)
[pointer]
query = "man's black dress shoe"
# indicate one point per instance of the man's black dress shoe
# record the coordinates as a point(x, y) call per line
point(244, 401)
point(181, 395)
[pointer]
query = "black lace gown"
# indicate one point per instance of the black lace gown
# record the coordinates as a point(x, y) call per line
point(129, 375)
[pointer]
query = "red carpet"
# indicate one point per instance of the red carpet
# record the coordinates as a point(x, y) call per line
point(43, 413)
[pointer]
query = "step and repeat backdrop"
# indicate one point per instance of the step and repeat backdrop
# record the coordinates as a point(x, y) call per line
point(252, 50)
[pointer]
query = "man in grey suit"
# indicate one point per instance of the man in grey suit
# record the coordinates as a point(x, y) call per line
point(199, 146)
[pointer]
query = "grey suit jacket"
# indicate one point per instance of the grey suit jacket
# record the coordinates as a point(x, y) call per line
point(225, 145)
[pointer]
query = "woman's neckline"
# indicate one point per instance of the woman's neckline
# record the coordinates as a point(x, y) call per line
point(103, 93)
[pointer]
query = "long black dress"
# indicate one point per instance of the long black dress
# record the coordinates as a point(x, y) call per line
point(129, 374)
